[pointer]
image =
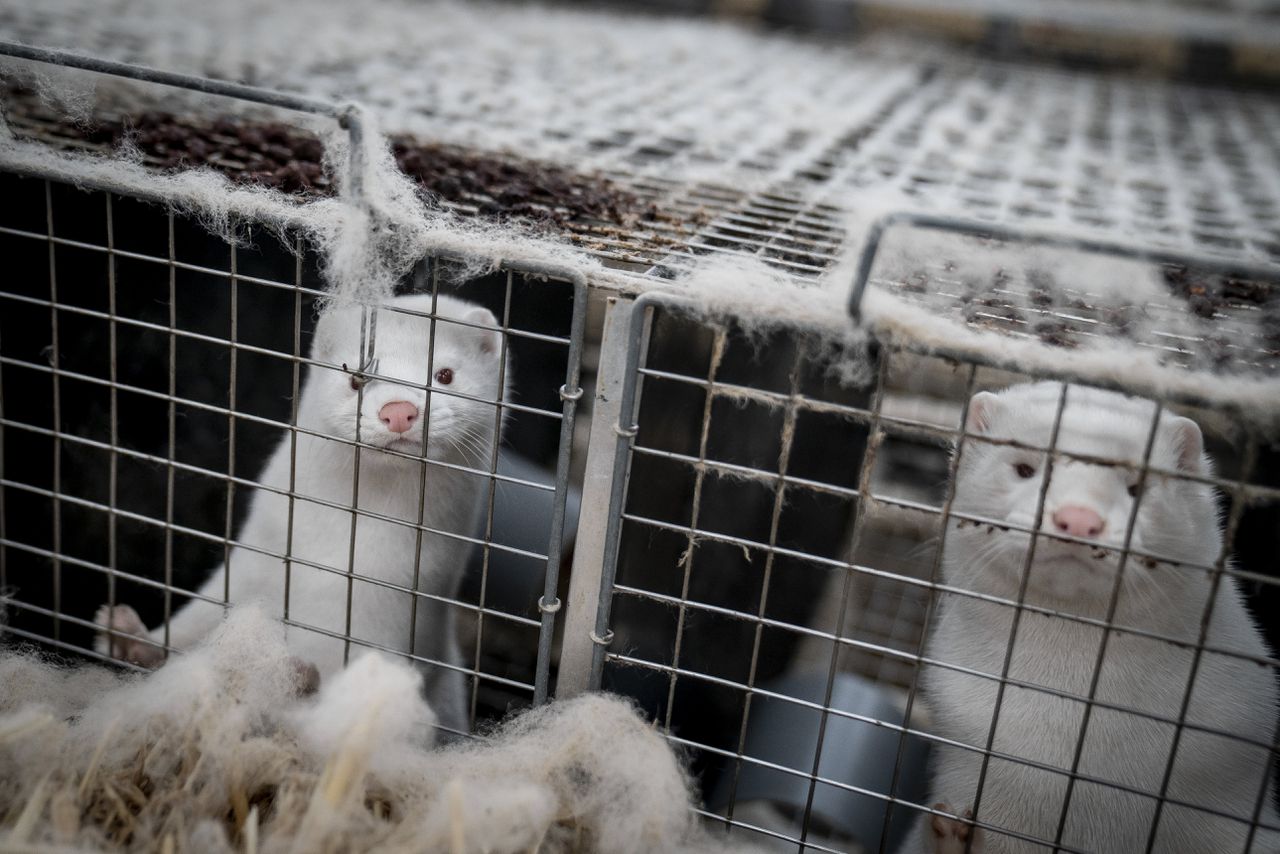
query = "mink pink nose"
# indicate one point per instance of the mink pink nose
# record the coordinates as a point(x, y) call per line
point(398, 415)
point(1078, 521)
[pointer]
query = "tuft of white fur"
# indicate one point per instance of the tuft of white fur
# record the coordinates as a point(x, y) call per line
point(627, 799)
point(375, 706)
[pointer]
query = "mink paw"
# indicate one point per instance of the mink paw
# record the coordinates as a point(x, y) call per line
point(128, 640)
point(951, 835)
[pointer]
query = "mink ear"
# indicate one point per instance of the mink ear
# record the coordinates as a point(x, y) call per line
point(484, 317)
point(1188, 444)
point(982, 408)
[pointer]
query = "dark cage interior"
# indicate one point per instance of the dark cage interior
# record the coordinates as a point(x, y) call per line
point(703, 462)
point(148, 370)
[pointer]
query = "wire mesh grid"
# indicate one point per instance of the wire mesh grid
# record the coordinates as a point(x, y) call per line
point(659, 219)
point(783, 643)
point(1176, 309)
point(1153, 163)
point(152, 376)
point(1180, 166)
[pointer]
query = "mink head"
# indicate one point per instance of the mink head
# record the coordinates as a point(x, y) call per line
point(1089, 496)
point(379, 393)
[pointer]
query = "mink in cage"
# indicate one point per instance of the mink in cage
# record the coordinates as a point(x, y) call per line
point(164, 371)
point(1111, 669)
point(142, 455)
point(697, 641)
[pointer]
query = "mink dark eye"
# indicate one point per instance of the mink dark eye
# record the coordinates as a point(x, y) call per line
point(1024, 470)
point(444, 376)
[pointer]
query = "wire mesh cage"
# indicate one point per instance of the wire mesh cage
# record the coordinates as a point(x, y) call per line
point(881, 593)
point(858, 521)
point(166, 424)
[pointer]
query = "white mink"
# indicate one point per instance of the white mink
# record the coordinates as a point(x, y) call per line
point(466, 361)
point(1177, 520)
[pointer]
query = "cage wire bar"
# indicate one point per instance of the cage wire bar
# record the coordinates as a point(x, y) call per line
point(348, 118)
point(625, 430)
point(1241, 492)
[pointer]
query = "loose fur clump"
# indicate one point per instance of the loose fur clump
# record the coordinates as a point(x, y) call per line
point(216, 752)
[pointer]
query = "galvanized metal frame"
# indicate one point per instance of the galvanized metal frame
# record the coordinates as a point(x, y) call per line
point(577, 646)
point(625, 431)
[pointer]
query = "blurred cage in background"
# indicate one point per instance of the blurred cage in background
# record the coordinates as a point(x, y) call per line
point(1204, 40)
point(755, 556)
